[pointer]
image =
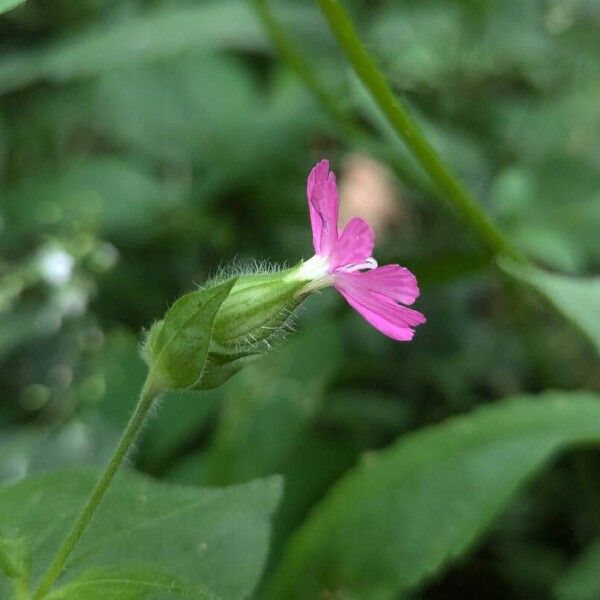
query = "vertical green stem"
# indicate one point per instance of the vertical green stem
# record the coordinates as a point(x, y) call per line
point(21, 589)
point(350, 127)
point(298, 64)
point(404, 125)
point(147, 396)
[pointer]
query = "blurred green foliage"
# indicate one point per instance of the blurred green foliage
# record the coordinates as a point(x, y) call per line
point(144, 144)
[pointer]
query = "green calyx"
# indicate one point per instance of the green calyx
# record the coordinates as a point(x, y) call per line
point(256, 309)
point(209, 334)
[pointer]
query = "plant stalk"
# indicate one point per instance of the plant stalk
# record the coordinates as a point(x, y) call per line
point(149, 393)
point(350, 127)
point(409, 131)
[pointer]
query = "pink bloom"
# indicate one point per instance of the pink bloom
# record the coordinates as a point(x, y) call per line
point(344, 261)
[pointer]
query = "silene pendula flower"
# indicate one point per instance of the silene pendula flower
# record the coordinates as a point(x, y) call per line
point(345, 261)
point(245, 313)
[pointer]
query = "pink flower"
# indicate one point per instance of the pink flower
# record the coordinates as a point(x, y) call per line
point(344, 261)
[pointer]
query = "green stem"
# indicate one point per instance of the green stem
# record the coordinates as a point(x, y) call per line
point(147, 396)
point(21, 587)
point(351, 128)
point(403, 124)
point(298, 64)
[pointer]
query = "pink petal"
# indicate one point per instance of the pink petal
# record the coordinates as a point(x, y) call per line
point(380, 310)
point(323, 204)
point(393, 281)
point(354, 246)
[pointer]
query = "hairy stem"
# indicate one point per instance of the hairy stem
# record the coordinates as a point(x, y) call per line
point(449, 187)
point(147, 396)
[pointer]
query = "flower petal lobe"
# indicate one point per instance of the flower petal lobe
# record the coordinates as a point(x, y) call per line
point(323, 205)
point(379, 307)
point(354, 246)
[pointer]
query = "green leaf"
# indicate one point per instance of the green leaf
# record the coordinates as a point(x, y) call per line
point(179, 348)
point(144, 37)
point(529, 203)
point(85, 440)
point(128, 584)
point(114, 195)
point(132, 40)
point(6, 5)
point(402, 514)
point(582, 580)
point(166, 109)
point(578, 299)
point(217, 538)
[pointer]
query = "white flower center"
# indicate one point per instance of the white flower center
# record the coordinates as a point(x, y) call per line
point(317, 272)
point(314, 269)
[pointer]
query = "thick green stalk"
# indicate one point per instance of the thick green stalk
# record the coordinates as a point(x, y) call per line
point(147, 396)
point(403, 124)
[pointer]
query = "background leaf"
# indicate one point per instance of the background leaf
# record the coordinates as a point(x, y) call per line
point(577, 298)
point(405, 512)
point(109, 195)
point(6, 5)
point(582, 580)
point(217, 538)
point(148, 36)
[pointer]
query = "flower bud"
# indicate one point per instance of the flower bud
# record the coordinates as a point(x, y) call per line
point(209, 334)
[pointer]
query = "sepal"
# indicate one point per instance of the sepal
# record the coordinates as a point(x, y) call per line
point(176, 348)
